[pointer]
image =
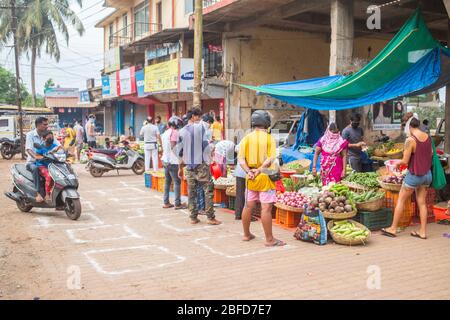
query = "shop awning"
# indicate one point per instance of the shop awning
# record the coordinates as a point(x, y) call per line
point(411, 62)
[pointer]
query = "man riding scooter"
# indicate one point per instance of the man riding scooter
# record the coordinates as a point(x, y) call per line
point(35, 137)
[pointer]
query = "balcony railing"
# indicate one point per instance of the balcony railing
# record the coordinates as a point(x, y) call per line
point(133, 32)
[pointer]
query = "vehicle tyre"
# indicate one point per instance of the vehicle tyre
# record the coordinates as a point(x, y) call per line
point(72, 207)
point(138, 167)
point(23, 206)
point(96, 172)
point(7, 152)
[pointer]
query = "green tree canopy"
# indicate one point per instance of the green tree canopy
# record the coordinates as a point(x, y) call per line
point(8, 87)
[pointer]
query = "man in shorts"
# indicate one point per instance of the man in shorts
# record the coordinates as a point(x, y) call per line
point(256, 154)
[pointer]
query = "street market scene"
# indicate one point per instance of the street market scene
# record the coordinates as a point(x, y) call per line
point(224, 149)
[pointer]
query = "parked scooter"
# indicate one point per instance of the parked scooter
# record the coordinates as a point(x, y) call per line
point(64, 195)
point(104, 160)
point(9, 148)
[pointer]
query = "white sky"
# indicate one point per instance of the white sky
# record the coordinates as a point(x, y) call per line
point(80, 60)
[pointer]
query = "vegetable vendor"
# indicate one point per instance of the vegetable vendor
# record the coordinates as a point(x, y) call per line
point(353, 133)
point(333, 150)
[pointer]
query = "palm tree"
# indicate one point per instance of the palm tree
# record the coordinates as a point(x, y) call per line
point(38, 24)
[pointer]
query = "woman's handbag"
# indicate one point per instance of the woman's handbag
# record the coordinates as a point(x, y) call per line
point(439, 180)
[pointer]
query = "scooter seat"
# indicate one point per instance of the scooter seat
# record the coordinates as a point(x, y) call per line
point(105, 151)
point(22, 169)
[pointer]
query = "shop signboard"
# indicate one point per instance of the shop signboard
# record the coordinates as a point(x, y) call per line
point(106, 90)
point(127, 81)
point(109, 85)
point(112, 60)
point(162, 77)
point(140, 83)
point(388, 115)
point(186, 75)
point(84, 96)
point(163, 51)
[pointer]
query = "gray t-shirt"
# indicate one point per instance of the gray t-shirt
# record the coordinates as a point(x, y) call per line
point(353, 136)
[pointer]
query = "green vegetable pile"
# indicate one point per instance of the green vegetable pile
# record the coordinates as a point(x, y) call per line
point(291, 186)
point(368, 196)
point(348, 229)
point(293, 166)
point(313, 180)
point(364, 179)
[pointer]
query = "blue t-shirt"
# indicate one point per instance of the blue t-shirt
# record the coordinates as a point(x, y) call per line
point(44, 149)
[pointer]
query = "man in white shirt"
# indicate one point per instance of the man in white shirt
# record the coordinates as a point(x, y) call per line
point(35, 136)
point(171, 163)
point(90, 132)
point(151, 135)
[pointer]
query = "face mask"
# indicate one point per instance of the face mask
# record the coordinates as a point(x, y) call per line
point(355, 125)
point(49, 141)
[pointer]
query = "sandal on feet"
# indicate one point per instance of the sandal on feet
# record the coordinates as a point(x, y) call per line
point(417, 235)
point(181, 206)
point(167, 206)
point(214, 222)
point(384, 232)
point(195, 221)
point(249, 238)
point(276, 243)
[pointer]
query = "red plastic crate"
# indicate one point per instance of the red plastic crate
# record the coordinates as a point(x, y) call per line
point(440, 212)
point(408, 212)
point(220, 196)
point(431, 198)
point(288, 218)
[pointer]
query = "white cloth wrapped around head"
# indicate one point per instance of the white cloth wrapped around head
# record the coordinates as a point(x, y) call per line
point(407, 130)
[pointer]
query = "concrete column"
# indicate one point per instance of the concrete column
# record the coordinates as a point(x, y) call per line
point(342, 33)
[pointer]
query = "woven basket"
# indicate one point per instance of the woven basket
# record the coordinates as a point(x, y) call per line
point(397, 155)
point(389, 186)
point(304, 163)
point(339, 216)
point(373, 205)
point(400, 146)
point(346, 241)
point(354, 186)
point(230, 193)
point(379, 152)
point(288, 208)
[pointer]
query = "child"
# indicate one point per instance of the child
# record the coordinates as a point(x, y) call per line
point(49, 146)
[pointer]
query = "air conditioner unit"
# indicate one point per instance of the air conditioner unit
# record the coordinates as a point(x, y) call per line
point(90, 83)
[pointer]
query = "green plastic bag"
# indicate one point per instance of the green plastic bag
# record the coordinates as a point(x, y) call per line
point(439, 180)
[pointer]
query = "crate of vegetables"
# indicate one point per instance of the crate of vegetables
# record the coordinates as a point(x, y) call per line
point(348, 232)
point(375, 220)
point(290, 208)
point(370, 200)
point(362, 181)
point(335, 203)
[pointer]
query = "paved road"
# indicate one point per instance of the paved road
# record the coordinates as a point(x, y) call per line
point(125, 246)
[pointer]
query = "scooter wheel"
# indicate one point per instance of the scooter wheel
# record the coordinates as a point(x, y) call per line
point(23, 206)
point(95, 172)
point(138, 167)
point(72, 207)
point(7, 152)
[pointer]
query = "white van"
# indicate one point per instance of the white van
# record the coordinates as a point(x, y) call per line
point(9, 124)
point(285, 130)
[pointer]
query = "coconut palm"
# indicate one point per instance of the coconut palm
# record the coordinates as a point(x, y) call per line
point(38, 25)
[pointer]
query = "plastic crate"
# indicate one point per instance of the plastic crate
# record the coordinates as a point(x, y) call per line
point(231, 203)
point(184, 187)
point(288, 218)
point(148, 180)
point(220, 197)
point(440, 212)
point(375, 220)
point(408, 212)
point(431, 198)
point(154, 183)
point(161, 181)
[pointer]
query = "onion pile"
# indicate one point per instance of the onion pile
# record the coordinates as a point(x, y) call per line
point(293, 199)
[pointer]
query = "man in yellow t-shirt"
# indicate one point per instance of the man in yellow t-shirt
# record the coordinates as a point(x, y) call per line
point(217, 129)
point(256, 154)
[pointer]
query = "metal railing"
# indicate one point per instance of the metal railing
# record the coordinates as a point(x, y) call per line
point(133, 32)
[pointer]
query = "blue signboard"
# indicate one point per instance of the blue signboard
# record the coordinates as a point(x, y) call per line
point(84, 96)
point(106, 88)
point(140, 83)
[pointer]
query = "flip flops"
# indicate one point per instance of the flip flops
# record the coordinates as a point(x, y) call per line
point(384, 232)
point(277, 243)
point(415, 234)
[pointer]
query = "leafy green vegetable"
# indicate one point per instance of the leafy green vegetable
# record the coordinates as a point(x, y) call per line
point(365, 179)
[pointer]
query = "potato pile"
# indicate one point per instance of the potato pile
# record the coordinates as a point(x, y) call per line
point(332, 203)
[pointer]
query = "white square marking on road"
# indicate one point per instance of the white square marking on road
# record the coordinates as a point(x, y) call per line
point(144, 265)
point(45, 222)
point(127, 233)
point(164, 224)
point(230, 256)
point(140, 213)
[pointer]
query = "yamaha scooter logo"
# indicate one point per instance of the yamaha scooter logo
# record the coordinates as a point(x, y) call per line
point(188, 76)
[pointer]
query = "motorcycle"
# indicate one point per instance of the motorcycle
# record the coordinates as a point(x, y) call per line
point(64, 195)
point(9, 148)
point(104, 160)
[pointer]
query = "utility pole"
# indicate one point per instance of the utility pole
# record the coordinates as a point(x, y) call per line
point(198, 53)
point(18, 94)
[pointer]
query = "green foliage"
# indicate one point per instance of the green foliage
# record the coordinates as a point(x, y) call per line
point(431, 114)
point(49, 84)
point(8, 88)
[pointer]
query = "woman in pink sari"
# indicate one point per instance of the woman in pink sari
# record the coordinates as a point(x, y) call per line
point(333, 150)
